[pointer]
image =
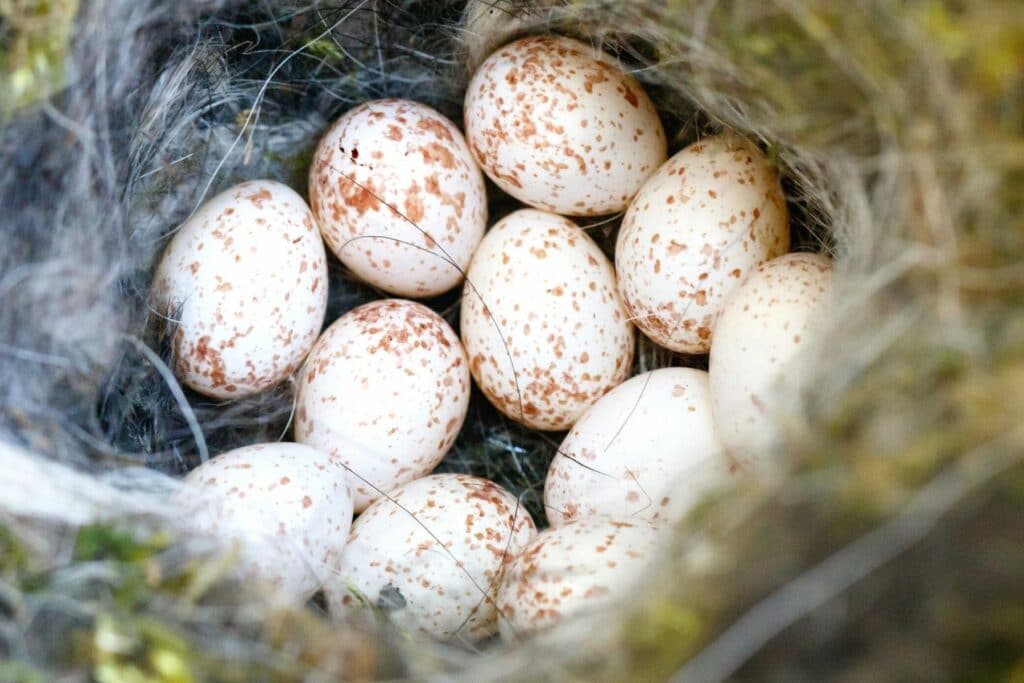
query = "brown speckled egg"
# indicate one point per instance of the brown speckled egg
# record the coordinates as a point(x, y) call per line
point(245, 280)
point(556, 125)
point(576, 569)
point(287, 506)
point(648, 449)
point(398, 197)
point(435, 552)
point(707, 217)
point(386, 389)
point(542, 322)
point(761, 330)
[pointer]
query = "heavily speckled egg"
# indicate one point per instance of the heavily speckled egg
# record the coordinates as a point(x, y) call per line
point(761, 330)
point(398, 197)
point(576, 569)
point(696, 228)
point(558, 127)
point(245, 280)
point(542, 322)
point(287, 506)
point(386, 389)
point(434, 551)
point(647, 449)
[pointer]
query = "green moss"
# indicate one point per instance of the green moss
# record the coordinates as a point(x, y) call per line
point(33, 49)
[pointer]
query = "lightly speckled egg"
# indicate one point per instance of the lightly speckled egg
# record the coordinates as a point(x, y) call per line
point(696, 228)
point(287, 506)
point(385, 389)
point(762, 329)
point(435, 549)
point(560, 128)
point(245, 281)
point(573, 570)
point(398, 197)
point(542, 323)
point(648, 449)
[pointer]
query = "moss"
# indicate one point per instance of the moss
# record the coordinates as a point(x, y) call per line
point(33, 49)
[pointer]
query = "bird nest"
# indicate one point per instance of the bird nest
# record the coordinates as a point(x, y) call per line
point(888, 550)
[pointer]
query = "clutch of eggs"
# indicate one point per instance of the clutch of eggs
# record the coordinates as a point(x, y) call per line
point(547, 332)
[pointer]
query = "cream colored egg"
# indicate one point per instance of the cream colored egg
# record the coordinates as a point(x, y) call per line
point(575, 570)
point(559, 127)
point(398, 197)
point(435, 552)
point(386, 389)
point(763, 327)
point(699, 225)
point(648, 449)
point(285, 506)
point(245, 281)
point(543, 326)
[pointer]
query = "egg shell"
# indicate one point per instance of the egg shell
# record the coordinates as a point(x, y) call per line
point(763, 327)
point(542, 322)
point(398, 197)
point(285, 505)
point(648, 449)
point(573, 570)
point(385, 389)
point(439, 546)
point(245, 282)
point(559, 127)
point(699, 225)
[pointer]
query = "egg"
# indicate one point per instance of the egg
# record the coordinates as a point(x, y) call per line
point(559, 127)
point(434, 551)
point(648, 449)
point(695, 229)
point(573, 570)
point(286, 506)
point(542, 323)
point(385, 389)
point(763, 327)
point(244, 281)
point(398, 197)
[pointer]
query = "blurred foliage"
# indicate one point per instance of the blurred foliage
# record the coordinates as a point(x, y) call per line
point(35, 36)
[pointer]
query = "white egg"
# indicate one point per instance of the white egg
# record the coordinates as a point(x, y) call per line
point(556, 125)
point(385, 389)
point(245, 280)
point(707, 217)
point(647, 449)
point(398, 197)
point(436, 550)
point(577, 569)
point(285, 505)
point(762, 328)
point(542, 322)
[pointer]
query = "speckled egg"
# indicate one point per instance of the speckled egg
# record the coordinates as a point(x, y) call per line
point(700, 224)
point(245, 282)
point(385, 389)
point(542, 322)
point(556, 125)
point(576, 569)
point(648, 449)
point(285, 505)
point(398, 197)
point(761, 331)
point(434, 553)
